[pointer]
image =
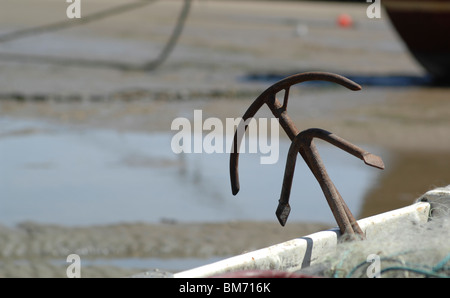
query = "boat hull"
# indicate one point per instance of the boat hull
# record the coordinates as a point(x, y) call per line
point(424, 26)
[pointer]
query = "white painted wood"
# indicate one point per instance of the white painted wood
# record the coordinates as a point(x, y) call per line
point(302, 252)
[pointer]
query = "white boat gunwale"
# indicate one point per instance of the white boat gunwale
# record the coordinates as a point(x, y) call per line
point(305, 251)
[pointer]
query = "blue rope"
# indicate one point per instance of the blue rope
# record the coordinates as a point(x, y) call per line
point(390, 258)
point(439, 270)
point(440, 265)
point(415, 270)
point(337, 270)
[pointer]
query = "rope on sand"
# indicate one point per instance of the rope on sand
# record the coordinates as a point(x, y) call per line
point(146, 66)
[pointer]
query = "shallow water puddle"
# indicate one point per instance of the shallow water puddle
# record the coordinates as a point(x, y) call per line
point(63, 175)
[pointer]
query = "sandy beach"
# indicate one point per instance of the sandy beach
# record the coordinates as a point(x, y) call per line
point(227, 54)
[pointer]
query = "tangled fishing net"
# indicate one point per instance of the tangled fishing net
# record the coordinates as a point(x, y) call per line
point(418, 250)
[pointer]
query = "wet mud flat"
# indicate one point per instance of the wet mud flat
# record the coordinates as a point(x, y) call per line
point(223, 60)
point(38, 250)
point(416, 162)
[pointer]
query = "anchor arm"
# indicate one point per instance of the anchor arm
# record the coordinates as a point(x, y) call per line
point(279, 111)
point(368, 158)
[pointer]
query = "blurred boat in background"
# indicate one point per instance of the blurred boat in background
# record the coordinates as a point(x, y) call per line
point(424, 26)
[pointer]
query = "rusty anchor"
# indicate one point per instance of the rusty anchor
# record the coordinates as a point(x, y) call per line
point(302, 142)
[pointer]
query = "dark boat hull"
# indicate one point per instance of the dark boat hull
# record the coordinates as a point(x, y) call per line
point(424, 26)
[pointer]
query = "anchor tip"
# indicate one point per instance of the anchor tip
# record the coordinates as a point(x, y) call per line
point(373, 160)
point(282, 213)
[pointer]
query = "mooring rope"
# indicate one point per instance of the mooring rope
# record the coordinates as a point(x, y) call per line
point(73, 22)
point(440, 270)
point(146, 66)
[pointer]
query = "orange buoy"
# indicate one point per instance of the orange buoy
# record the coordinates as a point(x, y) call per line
point(344, 20)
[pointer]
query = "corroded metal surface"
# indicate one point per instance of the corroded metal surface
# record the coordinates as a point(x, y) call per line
point(302, 142)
